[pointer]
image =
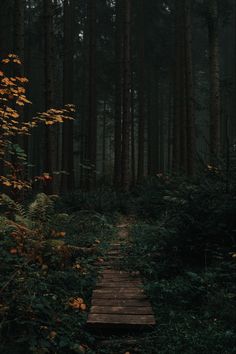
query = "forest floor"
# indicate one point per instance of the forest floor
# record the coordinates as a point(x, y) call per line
point(179, 241)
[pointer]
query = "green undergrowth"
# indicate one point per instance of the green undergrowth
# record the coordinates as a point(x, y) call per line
point(182, 243)
point(187, 259)
point(48, 261)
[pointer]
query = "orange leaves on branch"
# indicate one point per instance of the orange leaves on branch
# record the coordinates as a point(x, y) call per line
point(55, 116)
point(12, 99)
point(13, 182)
point(5, 61)
point(77, 303)
point(12, 58)
point(56, 234)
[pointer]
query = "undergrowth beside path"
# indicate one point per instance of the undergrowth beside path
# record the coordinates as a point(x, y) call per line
point(182, 243)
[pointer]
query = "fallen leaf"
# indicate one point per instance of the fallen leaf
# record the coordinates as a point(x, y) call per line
point(83, 307)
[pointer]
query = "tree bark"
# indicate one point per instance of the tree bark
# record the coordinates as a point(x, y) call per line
point(118, 95)
point(67, 182)
point(177, 93)
point(92, 98)
point(189, 90)
point(50, 153)
point(126, 98)
point(141, 95)
point(214, 67)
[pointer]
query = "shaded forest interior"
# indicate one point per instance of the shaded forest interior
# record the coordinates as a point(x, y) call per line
point(153, 84)
point(111, 108)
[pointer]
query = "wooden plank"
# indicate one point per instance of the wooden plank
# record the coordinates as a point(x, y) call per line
point(118, 291)
point(115, 272)
point(111, 319)
point(116, 278)
point(119, 284)
point(119, 296)
point(121, 302)
point(147, 310)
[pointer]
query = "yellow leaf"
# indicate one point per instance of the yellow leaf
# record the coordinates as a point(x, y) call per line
point(7, 183)
point(17, 61)
point(62, 234)
point(52, 334)
point(83, 307)
point(77, 266)
point(20, 103)
point(76, 303)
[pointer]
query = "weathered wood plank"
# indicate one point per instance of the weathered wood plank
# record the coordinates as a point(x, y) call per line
point(124, 310)
point(119, 284)
point(110, 319)
point(115, 273)
point(116, 277)
point(119, 296)
point(118, 291)
point(121, 302)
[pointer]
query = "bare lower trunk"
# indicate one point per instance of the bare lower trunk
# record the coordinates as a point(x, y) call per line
point(50, 152)
point(189, 91)
point(126, 99)
point(92, 100)
point(214, 81)
point(67, 182)
point(141, 97)
point(118, 94)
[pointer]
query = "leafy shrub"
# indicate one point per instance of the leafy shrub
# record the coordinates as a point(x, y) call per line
point(46, 280)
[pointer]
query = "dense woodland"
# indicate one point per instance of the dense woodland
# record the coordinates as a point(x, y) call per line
point(113, 109)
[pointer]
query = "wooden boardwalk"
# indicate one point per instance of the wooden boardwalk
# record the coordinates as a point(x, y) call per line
point(119, 301)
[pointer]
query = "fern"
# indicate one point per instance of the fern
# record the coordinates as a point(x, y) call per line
point(10, 205)
point(39, 213)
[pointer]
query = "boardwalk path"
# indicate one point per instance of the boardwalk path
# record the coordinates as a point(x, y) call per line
point(118, 301)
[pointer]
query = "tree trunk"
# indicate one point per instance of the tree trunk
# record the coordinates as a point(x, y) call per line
point(153, 126)
point(170, 127)
point(189, 90)
point(177, 93)
point(182, 90)
point(133, 163)
point(67, 182)
point(214, 64)
point(161, 134)
point(104, 174)
point(19, 39)
point(50, 156)
point(126, 98)
point(141, 95)
point(92, 99)
point(118, 94)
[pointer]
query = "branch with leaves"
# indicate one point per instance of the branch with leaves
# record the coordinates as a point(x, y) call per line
point(12, 100)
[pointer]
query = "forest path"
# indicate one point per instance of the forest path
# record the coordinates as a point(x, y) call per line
point(118, 301)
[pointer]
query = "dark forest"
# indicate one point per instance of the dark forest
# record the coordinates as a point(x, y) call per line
point(117, 176)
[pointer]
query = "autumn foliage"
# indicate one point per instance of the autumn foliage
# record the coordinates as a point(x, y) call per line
point(12, 101)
